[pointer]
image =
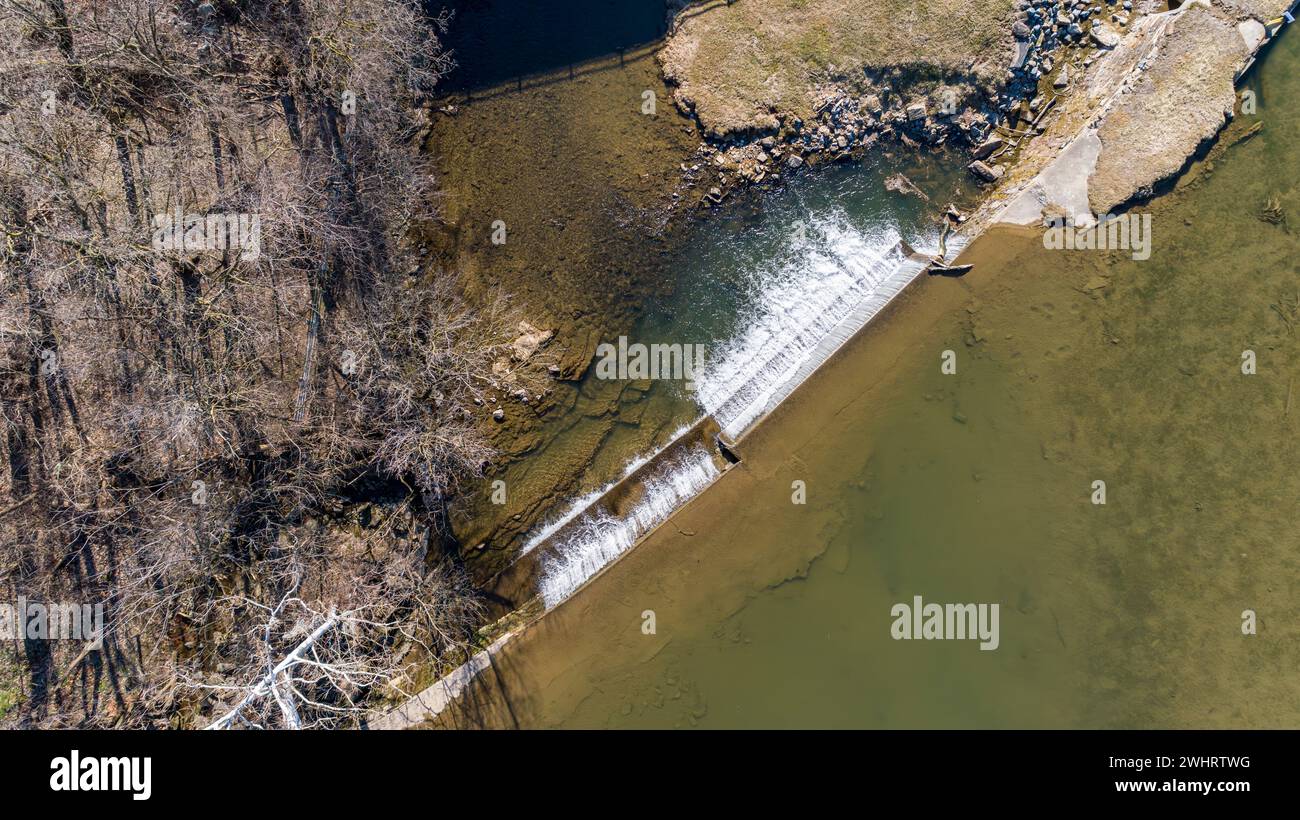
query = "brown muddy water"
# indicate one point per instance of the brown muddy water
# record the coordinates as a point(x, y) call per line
point(977, 487)
point(543, 133)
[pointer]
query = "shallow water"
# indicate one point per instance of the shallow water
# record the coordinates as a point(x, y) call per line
point(760, 295)
point(1072, 367)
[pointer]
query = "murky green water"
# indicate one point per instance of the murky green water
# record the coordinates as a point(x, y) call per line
point(1072, 367)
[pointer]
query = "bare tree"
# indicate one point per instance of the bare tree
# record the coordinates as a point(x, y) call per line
point(213, 331)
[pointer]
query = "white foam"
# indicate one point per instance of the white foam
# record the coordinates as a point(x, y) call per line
point(597, 537)
point(572, 511)
point(832, 281)
point(802, 312)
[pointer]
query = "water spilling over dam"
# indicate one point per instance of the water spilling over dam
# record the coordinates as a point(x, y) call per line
point(835, 279)
point(828, 282)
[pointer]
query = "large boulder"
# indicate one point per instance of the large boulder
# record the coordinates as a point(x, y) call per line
point(986, 172)
point(1104, 36)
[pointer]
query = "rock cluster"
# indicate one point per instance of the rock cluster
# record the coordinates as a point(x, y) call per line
point(956, 113)
point(846, 126)
point(1048, 34)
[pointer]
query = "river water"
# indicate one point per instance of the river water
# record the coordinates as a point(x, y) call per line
point(1072, 367)
point(762, 291)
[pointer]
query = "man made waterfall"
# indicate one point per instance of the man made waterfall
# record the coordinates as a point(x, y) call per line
point(835, 279)
point(830, 282)
point(600, 534)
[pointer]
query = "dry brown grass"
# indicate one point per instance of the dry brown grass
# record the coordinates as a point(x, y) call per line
point(739, 64)
point(1263, 9)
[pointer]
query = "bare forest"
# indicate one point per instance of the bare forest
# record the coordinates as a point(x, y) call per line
point(233, 402)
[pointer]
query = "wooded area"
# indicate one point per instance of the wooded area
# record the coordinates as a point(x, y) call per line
point(217, 345)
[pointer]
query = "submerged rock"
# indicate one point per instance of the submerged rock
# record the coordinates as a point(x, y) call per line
point(528, 341)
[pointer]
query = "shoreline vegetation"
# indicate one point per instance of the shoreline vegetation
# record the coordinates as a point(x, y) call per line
point(1065, 128)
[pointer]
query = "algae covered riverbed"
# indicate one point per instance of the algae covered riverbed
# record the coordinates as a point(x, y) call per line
point(1072, 367)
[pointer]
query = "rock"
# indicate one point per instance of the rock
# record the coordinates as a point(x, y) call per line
point(951, 270)
point(1022, 53)
point(1063, 79)
point(1104, 36)
point(989, 145)
point(498, 414)
point(903, 185)
point(530, 338)
point(988, 173)
point(916, 111)
point(793, 161)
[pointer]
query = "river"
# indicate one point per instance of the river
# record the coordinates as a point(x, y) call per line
point(1072, 367)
